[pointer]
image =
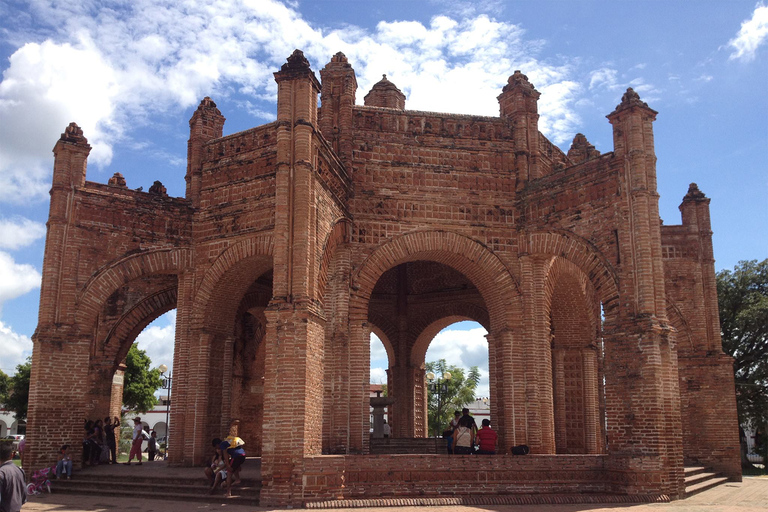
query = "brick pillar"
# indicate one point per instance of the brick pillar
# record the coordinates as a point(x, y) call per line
point(641, 387)
point(537, 356)
point(420, 405)
point(558, 384)
point(338, 98)
point(518, 103)
point(58, 347)
point(183, 448)
point(508, 400)
point(294, 363)
point(592, 429)
point(710, 423)
point(206, 124)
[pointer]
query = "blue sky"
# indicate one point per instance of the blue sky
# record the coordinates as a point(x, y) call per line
point(131, 73)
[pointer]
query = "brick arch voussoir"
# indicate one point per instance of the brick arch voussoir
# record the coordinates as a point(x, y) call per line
point(478, 263)
point(121, 272)
point(232, 257)
point(432, 326)
point(130, 325)
point(684, 334)
point(581, 253)
point(338, 235)
point(382, 327)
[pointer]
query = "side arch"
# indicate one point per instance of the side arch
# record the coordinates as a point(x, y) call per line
point(338, 235)
point(98, 289)
point(223, 277)
point(581, 253)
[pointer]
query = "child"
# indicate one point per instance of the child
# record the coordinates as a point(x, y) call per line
point(220, 472)
point(64, 463)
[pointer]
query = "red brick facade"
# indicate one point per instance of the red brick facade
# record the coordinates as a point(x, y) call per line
point(299, 238)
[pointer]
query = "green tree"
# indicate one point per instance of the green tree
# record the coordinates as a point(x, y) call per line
point(18, 390)
point(743, 300)
point(5, 383)
point(455, 393)
point(140, 382)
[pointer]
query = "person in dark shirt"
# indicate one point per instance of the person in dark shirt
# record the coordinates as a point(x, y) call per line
point(12, 481)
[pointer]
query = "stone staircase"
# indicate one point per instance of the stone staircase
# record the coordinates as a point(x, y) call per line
point(699, 479)
point(187, 484)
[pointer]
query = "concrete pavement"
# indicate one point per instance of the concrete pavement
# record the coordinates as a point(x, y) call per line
point(747, 496)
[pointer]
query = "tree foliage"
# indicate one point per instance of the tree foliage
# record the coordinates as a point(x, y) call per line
point(743, 300)
point(459, 391)
point(140, 382)
point(5, 383)
point(17, 397)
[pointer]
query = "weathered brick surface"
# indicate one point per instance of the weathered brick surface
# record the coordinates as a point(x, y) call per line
point(299, 238)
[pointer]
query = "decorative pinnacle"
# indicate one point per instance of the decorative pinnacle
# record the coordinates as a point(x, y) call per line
point(694, 193)
point(339, 57)
point(296, 62)
point(519, 80)
point(631, 99)
point(73, 134)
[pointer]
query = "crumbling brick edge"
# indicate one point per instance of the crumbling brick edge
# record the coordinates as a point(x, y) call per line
point(526, 499)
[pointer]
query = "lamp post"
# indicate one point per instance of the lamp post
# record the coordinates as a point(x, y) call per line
point(439, 386)
point(167, 379)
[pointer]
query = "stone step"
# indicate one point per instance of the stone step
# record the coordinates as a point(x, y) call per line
point(698, 478)
point(693, 470)
point(704, 485)
point(164, 495)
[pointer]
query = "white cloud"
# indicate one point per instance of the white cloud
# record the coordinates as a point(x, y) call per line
point(114, 68)
point(158, 340)
point(14, 347)
point(603, 77)
point(19, 232)
point(752, 34)
point(463, 348)
point(16, 279)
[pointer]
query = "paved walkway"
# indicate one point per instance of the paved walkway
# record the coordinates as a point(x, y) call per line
point(749, 495)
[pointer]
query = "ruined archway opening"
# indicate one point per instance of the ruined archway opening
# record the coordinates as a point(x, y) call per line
point(410, 304)
point(576, 355)
point(462, 345)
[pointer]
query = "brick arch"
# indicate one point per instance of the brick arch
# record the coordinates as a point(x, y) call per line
point(581, 253)
point(480, 265)
point(564, 276)
point(130, 325)
point(684, 335)
point(338, 235)
point(450, 316)
point(120, 272)
point(385, 331)
point(233, 272)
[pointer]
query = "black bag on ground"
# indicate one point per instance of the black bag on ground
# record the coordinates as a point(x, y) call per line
point(521, 449)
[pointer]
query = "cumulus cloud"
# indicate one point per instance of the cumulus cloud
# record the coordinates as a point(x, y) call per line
point(113, 68)
point(464, 348)
point(19, 232)
point(16, 279)
point(158, 340)
point(14, 347)
point(752, 34)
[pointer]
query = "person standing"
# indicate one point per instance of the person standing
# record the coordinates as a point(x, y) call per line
point(152, 447)
point(138, 438)
point(386, 430)
point(464, 435)
point(12, 481)
point(109, 437)
point(486, 438)
point(452, 428)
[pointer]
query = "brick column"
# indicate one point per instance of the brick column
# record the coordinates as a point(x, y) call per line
point(537, 356)
point(592, 434)
point(558, 384)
